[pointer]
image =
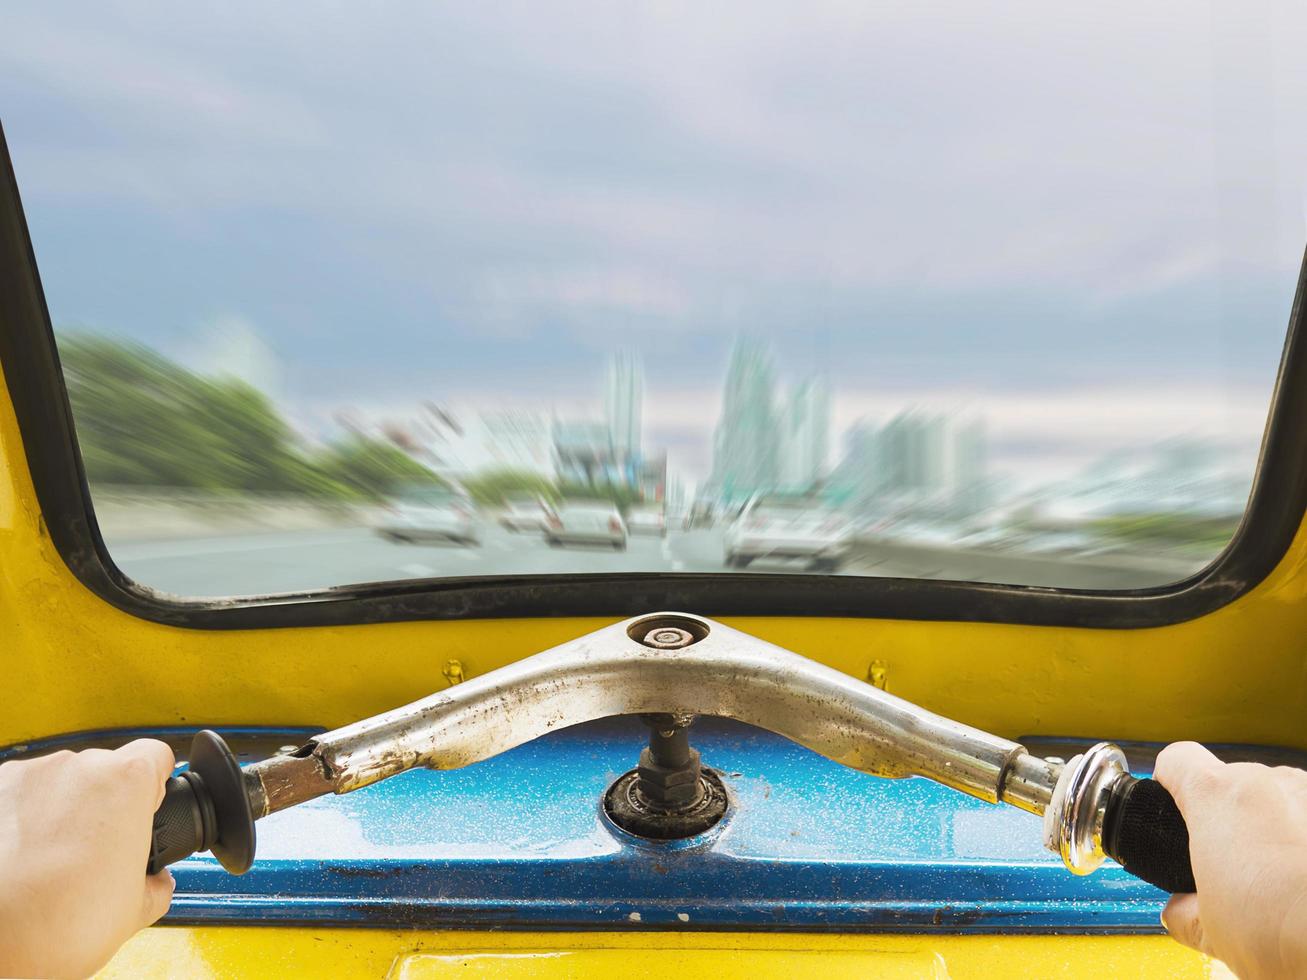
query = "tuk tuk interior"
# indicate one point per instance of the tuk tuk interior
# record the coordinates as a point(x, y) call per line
point(401, 561)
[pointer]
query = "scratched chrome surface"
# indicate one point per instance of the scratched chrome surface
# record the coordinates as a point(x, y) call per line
point(520, 841)
point(725, 673)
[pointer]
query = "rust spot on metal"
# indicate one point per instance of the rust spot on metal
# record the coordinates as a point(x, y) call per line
point(291, 779)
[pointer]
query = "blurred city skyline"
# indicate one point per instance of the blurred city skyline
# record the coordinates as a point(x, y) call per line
point(771, 430)
point(210, 462)
point(1128, 426)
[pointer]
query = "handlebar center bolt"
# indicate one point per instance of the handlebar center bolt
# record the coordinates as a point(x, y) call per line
point(667, 777)
point(667, 638)
point(669, 794)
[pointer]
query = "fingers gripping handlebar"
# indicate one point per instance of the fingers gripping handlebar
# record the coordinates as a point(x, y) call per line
point(1092, 807)
point(206, 808)
point(1099, 810)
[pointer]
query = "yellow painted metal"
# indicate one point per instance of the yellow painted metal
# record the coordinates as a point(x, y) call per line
point(346, 954)
point(1238, 674)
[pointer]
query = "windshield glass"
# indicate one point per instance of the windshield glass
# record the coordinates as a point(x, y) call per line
point(1002, 287)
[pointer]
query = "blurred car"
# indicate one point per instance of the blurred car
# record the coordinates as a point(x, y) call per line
point(427, 513)
point(647, 520)
point(789, 526)
point(524, 514)
point(586, 522)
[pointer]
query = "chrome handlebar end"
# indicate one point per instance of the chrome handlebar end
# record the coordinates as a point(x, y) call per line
point(1075, 817)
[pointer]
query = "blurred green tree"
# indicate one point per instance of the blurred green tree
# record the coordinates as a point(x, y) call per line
point(372, 468)
point(494, 488)
point(145, 421)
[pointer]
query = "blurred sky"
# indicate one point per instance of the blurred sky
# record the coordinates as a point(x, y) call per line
point(1083, 220)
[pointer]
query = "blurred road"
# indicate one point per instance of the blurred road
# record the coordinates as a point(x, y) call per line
point(294, 561)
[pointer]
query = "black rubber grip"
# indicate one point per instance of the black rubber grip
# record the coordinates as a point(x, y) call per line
point(205, 808)
point(184, 824)
point(1144, 832)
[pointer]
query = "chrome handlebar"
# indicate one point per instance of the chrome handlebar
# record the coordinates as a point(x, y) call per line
point(689, 665)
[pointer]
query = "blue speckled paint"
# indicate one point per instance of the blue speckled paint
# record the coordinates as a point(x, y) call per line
point(519, 841)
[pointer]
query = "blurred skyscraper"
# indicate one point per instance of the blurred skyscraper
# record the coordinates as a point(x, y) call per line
point(859, 476)
point(584, 452)
point(623, 403)
point(806, 435)
point(915, 462)
point(747, 442)
point(915, 454)
point(972, 484)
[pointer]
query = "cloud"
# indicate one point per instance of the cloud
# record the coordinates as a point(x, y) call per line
point(824, 148)
point(606, 300)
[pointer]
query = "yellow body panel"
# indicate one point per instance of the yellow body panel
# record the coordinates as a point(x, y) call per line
point(345, 954)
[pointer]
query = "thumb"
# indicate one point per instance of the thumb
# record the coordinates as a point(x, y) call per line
point(157, 897)
point(1180, 917)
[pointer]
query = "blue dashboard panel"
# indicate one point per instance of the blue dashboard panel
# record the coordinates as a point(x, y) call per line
point(521, 841)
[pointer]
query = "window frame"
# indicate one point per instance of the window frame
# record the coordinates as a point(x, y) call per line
point(30, 362)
